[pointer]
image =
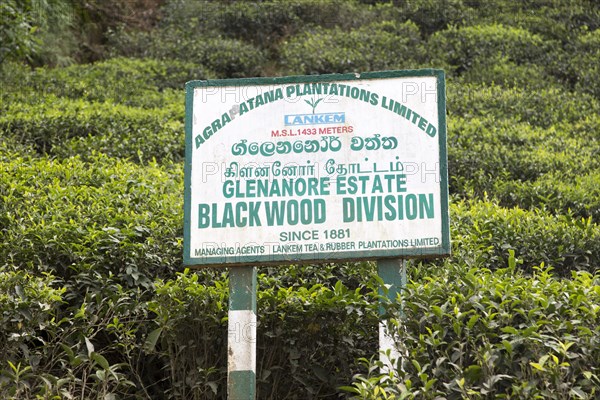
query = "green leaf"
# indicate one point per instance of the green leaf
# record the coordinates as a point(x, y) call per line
point(473, 373)
point(89, 345)
point(437, 311)
point(100, 360)
point(416, 364)
point(213, 386)
point(430, 383)
point(537, 366)
point(322, 373)
point(577, 392)
point(152, 339)
point(472, 321)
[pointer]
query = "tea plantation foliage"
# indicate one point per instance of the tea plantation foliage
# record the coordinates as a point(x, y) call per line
point(95, 304)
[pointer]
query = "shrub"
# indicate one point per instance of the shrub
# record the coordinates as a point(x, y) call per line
point(483, 231)
point(308, 336)
point(28, 304)
point(552, 19)
point(266, 23)
point(141, 82)
point(64, 127)
point(88, 349)
point(471, 47)
point(190, 333)
point(129, 82)
point(105, 229)
point(578, 196)
point(107, 216)
point(432, 16)
point(17, 31)
point(542, 108)
point(510, 75)
point(584, 66)
point(382, 45)
point(227, 57)
point(485, 152)
point(477, 333)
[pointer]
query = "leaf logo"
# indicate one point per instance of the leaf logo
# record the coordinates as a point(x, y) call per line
point(313, 103)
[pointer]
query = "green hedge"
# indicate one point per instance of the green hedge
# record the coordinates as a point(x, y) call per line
point(509, 74)
point(542, 108)
point(473, 333)
point(377, 46)
point(106, 216)
point(131, 82)
point(471, 47)
point(485, 154)
point(554, 20)
point(227, 57)
point(58, 348)
point(578, 196)
point(308, 336)
point(265, 23)
point(27, 302)
point(63, 127)
point(432, 16)
point(584, 65)
point(483, 232)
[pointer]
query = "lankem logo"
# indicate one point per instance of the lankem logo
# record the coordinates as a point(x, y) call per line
point(315, 119)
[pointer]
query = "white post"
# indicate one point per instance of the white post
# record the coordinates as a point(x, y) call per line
point(393, 274)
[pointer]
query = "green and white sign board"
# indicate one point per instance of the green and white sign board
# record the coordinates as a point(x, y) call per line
point(316, 168)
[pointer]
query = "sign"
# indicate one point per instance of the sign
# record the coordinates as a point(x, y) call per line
point(316, 168)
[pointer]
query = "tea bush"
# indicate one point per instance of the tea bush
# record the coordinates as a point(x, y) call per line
point(107, 216)
point(584, 66)
point(27, 302)
point(509, 74)
point(227, 57)
point(474, 333)
point(378, 46)
point(542, 108)
point(471, 47)
point(308, 336)
point(190, 333)
point(86, 349)
point(554, 20)
point(104, 229)
point(515, 151)
point(147, 81)
point(65, 127)
point(578, 196)
point(266, 23)
point(432, 16)
point(149, 84)
point(483, 231)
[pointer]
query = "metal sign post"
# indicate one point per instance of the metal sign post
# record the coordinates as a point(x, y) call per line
point(393, 274)
point(241, 337)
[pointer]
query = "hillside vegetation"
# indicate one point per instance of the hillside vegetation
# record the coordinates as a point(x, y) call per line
point(95, 303)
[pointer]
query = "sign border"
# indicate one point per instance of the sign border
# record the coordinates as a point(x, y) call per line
point(442, 250)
